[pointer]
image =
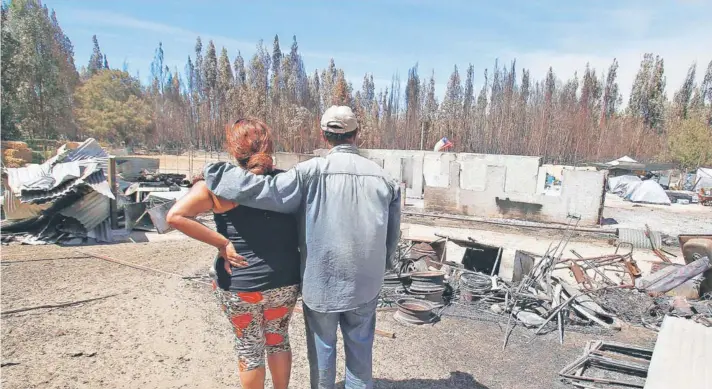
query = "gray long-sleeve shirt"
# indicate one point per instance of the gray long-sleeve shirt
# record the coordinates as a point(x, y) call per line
point(349, 221)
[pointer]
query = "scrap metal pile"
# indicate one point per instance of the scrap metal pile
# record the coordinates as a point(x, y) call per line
point(145, 203)
point(64, 199)
point(68, 198)
point(602, 293)
point(542, 298)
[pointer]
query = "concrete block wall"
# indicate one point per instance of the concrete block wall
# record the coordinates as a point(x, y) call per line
point(558, 172)
point(582, 194)
point(498, 186)
point(403, 166)
point(286, 161)
point(520, 175)
point(419, 169)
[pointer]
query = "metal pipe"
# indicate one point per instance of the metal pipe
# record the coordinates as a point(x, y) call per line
point(496, 262)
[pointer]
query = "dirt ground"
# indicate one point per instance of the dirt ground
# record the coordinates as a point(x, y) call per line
point(161, 331)
point(673, 220)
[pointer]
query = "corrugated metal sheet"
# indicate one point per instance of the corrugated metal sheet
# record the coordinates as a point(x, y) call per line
point(15, 210)
point(35, 187)
point(89, 149)
point(130, 168)
point(638, 238)
point(96, 180)
point(16, 177)
point(91, 210)
point(102, 232)
point(99, 183)
point(67, 164)
point(58, 174)
point(682, 355)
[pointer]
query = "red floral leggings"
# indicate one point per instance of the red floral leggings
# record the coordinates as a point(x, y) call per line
point(260, 321)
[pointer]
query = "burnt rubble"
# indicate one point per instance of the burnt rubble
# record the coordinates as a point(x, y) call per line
point(423, 288)
point(79, 196)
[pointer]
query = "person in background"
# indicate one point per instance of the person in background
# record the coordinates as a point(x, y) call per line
point(257, 269)
point(349, 222)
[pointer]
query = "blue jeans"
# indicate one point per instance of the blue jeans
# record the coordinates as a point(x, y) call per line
point(357, 328)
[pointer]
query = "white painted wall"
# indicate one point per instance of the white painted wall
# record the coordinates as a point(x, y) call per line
point(521, 171)
point(558, 172)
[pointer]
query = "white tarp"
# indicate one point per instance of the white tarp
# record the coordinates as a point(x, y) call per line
point(630, 188)
point(648, 191)
point(625, 159)
point(703, 178)
point(619, 185)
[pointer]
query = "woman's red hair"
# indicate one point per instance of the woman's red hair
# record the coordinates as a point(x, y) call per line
point(249, 141)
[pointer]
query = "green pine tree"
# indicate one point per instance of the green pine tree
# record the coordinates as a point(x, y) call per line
point(41, 103)
point(96, 60)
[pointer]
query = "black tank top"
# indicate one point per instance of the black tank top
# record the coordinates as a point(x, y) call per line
point(268, 240)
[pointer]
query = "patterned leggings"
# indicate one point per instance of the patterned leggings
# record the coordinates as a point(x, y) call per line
point(260, 321)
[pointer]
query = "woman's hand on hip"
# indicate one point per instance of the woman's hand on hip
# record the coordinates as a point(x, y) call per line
point(231, 257)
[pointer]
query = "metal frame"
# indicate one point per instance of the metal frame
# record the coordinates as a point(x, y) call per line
point(629, 359)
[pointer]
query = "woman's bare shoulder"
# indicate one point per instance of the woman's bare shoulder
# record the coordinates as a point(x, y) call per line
point(219, 205)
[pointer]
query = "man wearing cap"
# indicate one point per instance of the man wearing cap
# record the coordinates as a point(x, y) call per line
point(349, 221)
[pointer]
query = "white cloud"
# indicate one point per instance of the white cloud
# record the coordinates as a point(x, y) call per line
point(113, 19)
point(164, 32)
point(625, 34)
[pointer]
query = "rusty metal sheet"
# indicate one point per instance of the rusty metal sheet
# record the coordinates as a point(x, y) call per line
point(684, 238)
point(91, 210)
point(16, 210)
point(578, 273)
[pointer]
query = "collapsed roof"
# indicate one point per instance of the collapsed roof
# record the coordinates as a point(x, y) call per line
point(73, 184)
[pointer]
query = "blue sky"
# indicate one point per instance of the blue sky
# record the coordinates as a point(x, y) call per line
point(388, 36)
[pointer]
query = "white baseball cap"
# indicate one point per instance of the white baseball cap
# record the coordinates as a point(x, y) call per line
point(339, 120)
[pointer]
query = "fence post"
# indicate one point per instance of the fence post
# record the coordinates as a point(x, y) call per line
point(113, 213)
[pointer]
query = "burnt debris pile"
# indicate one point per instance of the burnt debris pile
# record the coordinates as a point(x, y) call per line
point(84, 195)
point(600, 295)
point(61, 200)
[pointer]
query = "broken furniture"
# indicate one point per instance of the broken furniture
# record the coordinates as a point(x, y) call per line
point(609, 363)
point(154, 195)
point(150, 214)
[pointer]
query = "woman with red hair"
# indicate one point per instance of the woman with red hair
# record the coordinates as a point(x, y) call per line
point(258, 266)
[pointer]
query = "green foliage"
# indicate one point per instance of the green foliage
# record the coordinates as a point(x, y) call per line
point(611, 96)
point(43, 73)
point(38, 157)
point(9, 80)
point(690, 141)
point(562, 120)
point(96, 60)
point(110, 106)
point(684, 97)
point(647, 97)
